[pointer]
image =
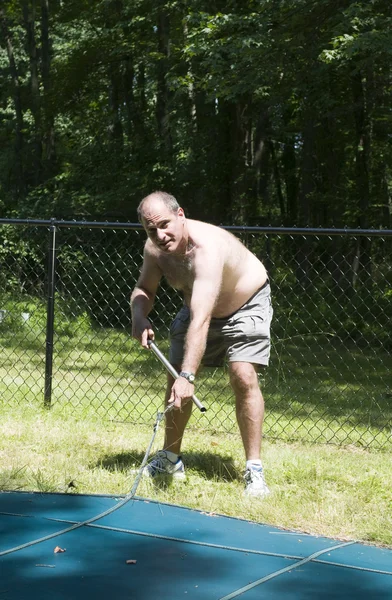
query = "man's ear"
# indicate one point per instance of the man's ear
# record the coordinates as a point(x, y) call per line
point(180, 212)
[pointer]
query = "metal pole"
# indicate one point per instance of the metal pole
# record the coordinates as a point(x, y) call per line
point(50, 316)
point(172, 371)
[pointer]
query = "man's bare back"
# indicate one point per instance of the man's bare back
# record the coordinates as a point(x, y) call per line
point(242, 273)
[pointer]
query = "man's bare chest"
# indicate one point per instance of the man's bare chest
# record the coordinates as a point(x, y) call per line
point(178, 271)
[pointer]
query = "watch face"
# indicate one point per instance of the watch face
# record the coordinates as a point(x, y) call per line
point(188, 376)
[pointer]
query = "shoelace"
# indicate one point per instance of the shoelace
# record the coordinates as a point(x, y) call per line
point(254, 474)
point(159, 462)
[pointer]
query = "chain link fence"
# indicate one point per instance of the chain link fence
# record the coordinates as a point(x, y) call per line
point(65, 330)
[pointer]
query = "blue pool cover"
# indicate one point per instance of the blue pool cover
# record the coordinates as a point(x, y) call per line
point(112, 549)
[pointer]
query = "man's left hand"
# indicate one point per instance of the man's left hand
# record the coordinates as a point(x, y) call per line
point(181, 392)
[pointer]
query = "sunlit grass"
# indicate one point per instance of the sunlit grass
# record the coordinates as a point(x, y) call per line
point(323, 490)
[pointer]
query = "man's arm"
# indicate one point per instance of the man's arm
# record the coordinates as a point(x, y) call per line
point(206, 288)
point(142, 298)
point(204, 296)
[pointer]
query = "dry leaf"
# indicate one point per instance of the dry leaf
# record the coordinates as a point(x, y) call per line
point(131, 562)
point(58, 549)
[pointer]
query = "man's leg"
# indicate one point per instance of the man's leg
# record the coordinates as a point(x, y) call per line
point(250, 416)
point(249, 406)
point(176, 421)
point(167, 461)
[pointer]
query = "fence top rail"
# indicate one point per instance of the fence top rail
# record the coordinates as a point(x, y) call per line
point(238, 228)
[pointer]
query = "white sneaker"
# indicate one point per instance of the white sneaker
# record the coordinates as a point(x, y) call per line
point(162, 466)
point(255, 483)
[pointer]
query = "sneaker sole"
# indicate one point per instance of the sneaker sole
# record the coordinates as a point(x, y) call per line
point(257, 494)
point(174, 476)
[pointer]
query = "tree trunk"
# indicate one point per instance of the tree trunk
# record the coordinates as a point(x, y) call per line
point(307, 177)
point(29, 23)
point(307, 189)
point(163, 93)
point(115, 128)
point(20, 177)
point(236, 115)
point(129, 97)
point(362, 262)
point(46, 59)
point(261, 159)
point(380, 164)
point(278, 183)
point(207, 160)
point(141, 88)
point(190, 86)
point(114, 16)
point(362, 150)
point(291, 182)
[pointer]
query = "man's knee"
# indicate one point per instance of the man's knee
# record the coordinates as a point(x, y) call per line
point(243, 376)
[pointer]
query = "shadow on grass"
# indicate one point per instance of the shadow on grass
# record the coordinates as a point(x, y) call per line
point(212, 466)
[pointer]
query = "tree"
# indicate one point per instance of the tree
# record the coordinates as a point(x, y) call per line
point(253, 112)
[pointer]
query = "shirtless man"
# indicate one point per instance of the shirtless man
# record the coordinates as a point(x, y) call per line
point(227, 313)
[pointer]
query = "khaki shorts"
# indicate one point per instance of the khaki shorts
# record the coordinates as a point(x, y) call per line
point(243, 336)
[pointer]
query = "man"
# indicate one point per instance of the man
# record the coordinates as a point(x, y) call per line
point(227, 312)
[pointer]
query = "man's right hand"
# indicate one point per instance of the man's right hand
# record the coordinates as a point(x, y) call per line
point(142, 331)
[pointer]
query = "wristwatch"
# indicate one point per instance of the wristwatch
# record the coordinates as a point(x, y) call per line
point(189, 376)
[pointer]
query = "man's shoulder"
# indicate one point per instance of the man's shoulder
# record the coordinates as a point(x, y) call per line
point(149, 246)
point(150, 250)
point(201, 224)
point(207, 235)
point(205, 231)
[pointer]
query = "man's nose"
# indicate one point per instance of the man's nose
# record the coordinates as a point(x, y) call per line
point(160, 235)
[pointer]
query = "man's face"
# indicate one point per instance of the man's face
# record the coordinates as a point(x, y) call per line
point(164, 228)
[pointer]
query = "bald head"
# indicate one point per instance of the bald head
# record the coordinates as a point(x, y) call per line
point(161, 197)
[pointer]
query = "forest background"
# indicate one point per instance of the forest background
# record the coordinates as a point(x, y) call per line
point(253, 112)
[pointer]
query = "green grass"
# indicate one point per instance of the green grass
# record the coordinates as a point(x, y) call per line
point(107, 391)
point(323, 490)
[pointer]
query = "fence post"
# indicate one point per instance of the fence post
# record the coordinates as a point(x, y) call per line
point(50, 315)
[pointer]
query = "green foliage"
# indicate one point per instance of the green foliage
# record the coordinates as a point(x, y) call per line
point(245, 110)
point(21, 260)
